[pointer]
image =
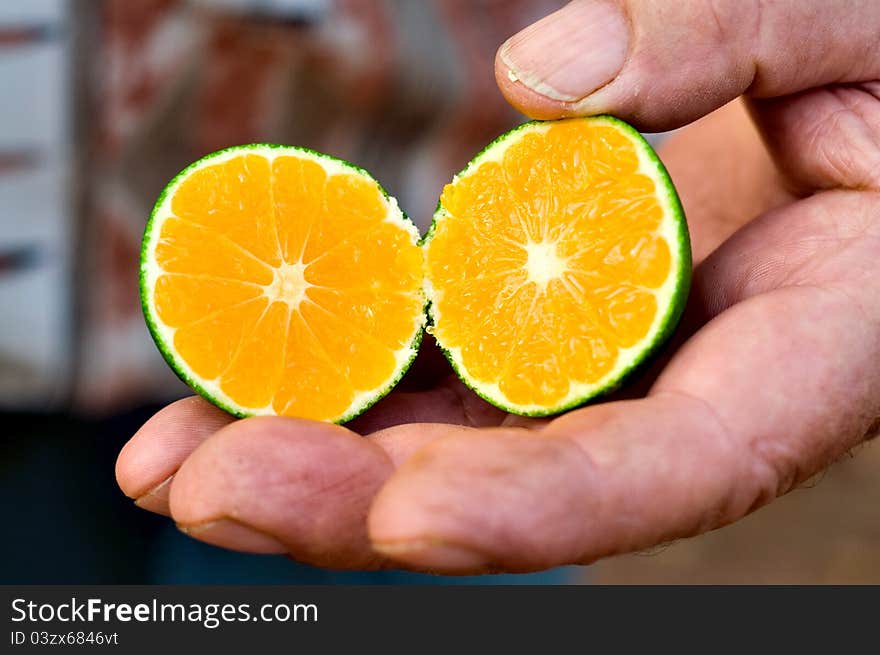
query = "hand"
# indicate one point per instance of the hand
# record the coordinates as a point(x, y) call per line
point(777, 376)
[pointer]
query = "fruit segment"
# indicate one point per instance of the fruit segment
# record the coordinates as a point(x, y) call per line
point(371, 311)
point(182, 299)
point(297, 192)
point(208, 345)
point(254, 373)
point(351, 206)
point(383, 258)
point(311, 385)
point(192, 249)
point(234, 199)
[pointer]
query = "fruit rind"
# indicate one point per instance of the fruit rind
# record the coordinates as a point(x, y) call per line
point(682, 260)
point(405, 356)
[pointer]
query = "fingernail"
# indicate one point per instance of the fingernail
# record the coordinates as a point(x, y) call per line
point(156, 499)
point(234, 535)
point(434, 554)
point(570, 53)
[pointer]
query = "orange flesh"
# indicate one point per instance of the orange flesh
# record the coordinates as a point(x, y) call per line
point(547, 262)
point(286, 286)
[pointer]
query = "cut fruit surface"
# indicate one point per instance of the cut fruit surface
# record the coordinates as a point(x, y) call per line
point(277, 280)
point(557, 263)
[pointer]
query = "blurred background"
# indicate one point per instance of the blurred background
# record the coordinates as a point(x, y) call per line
point(101, 103)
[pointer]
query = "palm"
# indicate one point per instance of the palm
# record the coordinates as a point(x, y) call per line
point(773, 377)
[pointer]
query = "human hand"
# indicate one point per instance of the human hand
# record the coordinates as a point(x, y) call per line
point(776, 377)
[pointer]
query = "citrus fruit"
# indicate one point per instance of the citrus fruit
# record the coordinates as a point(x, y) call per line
point(558, 262)
point(277, 280)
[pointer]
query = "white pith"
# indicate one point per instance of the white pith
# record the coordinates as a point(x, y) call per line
point(543, 263)
point(544, 266)
point(288, 285)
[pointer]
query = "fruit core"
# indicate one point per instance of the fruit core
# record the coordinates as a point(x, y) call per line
point(289, 285)
point(544, 263)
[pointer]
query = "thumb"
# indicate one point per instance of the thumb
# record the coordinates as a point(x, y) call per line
point(663, 64)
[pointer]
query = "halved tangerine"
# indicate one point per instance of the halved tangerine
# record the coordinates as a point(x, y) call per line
point(277, 280)
point(557, 263)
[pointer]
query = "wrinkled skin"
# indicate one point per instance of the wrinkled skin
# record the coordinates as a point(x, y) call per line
point(774, 373)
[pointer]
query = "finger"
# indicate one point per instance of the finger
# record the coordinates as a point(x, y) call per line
point(664, 64)
point(401, 442)
point(723, 175)
point(148, 462)
point(826, 138)
point(282, 485)
point(769, 392)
